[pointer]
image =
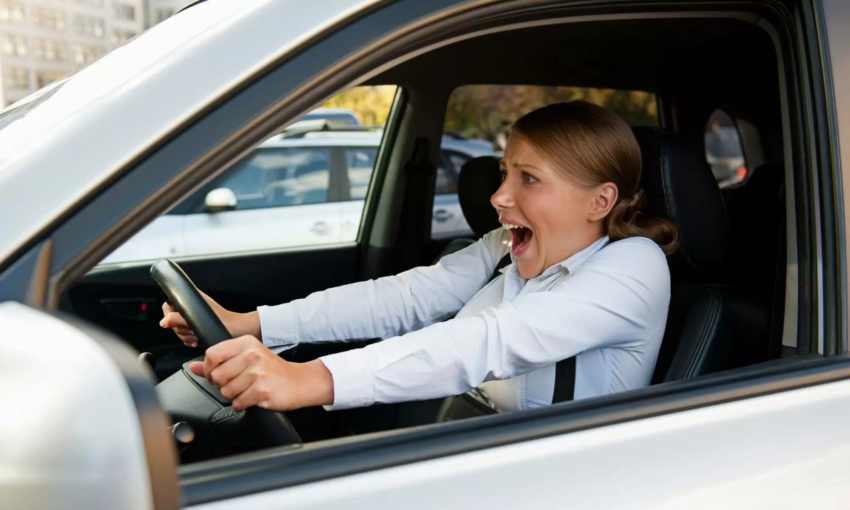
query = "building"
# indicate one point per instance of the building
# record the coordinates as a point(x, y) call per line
point(159, 10)
point(44, 40)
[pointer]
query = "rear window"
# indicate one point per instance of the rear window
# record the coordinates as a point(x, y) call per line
point(486, 112)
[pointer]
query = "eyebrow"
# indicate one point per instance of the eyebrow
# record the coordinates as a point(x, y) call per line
point(502, 164)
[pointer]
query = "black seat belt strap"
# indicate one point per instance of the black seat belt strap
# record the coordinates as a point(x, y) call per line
point(565, 370)
point(565, 380)
point(504, 262)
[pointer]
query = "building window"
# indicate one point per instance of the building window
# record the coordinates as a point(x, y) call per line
point(45, 78)
point(16, 78)
point(85, 54)
point(163, 14)
point(45, 17)
point(93, 3)
point(14, 45)
point(123, 11)
point(49, 50)
point(11, 11)
point(120, 37)
point(86, 25)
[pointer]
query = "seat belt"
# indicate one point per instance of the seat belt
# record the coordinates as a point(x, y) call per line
point(472, 404)
point(418, 172)
point(565, 370)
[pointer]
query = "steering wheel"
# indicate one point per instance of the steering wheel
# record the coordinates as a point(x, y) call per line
point(273, 428)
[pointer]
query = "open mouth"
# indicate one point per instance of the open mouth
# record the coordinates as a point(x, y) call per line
point(520, 238)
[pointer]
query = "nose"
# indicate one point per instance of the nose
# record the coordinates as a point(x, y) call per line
point(503, 198)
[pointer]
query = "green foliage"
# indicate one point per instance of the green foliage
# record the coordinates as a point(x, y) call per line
point(370, 103)
point(484, 111)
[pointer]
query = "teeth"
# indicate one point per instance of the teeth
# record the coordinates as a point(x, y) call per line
point(508, 226)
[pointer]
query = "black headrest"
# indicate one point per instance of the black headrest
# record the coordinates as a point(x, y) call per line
point(679, 186)
point(478, 181)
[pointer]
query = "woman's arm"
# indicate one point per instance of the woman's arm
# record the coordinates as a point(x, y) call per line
point(388, 306)
point(619, 298)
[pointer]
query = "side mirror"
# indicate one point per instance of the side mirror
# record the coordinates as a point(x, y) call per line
point(87, 430)
point(219, 200)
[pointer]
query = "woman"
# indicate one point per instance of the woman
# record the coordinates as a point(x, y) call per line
point(589, 279)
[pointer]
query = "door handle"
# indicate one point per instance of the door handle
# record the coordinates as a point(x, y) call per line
point(320, 228)
point(442, 215)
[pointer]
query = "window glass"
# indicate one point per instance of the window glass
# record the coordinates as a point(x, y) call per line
point(123, 11)
point(88, 26)
point(14, 45)
point(305, 186)
point(723, 150)
point(281, 177)
point(48, 18)
point(478, 121)
point(359, 163)
point(12, 11)
point(49, 50)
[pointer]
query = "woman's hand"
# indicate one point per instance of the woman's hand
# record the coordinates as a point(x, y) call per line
point(249, 374)
point(237, 324)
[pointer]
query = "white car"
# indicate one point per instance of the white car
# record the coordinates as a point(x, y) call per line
point(750, 404)
point(314, 184)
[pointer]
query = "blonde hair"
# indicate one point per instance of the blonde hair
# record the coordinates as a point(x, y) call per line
point(590, 146)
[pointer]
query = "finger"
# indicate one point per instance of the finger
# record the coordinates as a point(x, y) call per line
point(173, 320)
point(197, 368)
point(249, 397)
point(237, 386)
point(231, 368)
point(219, 353)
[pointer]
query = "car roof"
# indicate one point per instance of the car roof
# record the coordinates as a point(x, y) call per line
point(471, 148)
point(78, 132)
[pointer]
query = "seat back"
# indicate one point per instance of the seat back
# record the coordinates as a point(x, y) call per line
point(477, 181)
point(710, 326)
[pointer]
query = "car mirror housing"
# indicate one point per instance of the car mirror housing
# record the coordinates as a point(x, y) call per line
point(85, 429)
point(219, 200)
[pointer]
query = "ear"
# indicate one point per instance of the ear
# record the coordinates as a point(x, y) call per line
point(604, 198)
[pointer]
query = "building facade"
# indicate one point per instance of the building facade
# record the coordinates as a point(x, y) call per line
point(44, 40)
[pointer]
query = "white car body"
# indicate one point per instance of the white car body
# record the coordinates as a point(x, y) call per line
point(214, 233)
point(783, 447)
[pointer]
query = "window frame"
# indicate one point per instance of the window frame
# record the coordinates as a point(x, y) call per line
point(174, 169)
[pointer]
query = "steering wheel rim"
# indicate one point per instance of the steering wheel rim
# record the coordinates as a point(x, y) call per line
point(185, 298)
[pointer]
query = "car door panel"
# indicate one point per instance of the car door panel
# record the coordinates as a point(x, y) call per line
point(747, 453)
point(262, 229)
point(162, 238)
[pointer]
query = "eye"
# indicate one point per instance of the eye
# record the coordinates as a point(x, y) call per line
point(529, 179)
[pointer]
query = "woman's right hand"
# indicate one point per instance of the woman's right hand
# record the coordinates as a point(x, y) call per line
point(237, 324)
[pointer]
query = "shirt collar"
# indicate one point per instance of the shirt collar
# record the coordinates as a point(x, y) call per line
point(573, 263)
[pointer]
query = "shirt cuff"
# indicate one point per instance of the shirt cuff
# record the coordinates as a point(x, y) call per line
point(278, 326)
point(354, 380)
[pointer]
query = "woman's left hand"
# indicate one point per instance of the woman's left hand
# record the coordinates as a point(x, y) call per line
point(249, 374)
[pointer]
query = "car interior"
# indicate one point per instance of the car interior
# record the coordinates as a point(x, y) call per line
point(734, 299)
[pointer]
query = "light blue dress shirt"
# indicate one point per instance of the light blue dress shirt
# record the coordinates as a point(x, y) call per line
point(607, 304)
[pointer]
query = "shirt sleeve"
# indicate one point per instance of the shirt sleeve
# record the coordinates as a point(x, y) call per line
point(618, 298)
point(388, 306)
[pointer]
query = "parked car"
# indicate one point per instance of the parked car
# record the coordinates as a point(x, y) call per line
point(749, 404)
point(339, 116)
point(724, 154)
point(314, 184)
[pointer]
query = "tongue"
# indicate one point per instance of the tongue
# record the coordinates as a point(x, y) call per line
point(521, 237)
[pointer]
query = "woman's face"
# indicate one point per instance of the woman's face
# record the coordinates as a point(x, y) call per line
point(549, 217)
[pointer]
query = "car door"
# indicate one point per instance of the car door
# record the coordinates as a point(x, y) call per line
point(276, 186)
point(448, 220)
